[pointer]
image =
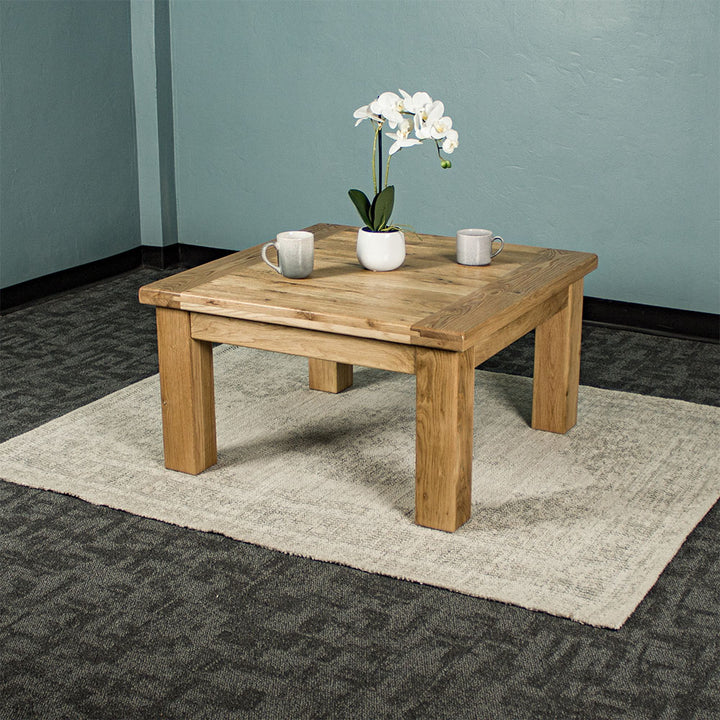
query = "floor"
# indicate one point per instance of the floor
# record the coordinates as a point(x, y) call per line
point(106, 615)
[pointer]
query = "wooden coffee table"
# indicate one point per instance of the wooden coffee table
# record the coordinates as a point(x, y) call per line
point(432, 318)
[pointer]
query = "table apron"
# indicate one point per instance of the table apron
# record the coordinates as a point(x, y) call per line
point(352, 350)
point(515, 329)
point(306, 343)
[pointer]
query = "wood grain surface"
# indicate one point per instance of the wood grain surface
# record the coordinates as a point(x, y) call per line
point(329, 376)
point(444, 434)
point(431, 317)
point(430, 301)
point(557, 365)
point(187, 394)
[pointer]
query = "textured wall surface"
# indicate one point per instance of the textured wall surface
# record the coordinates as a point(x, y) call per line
point(146, 120)
point(68, 177)
point(583, 125)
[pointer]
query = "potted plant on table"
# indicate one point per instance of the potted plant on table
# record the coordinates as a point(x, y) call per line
point(415, 119)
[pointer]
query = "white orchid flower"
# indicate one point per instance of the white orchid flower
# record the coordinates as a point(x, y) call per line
point(426, 117)
point(363, 113)
point(441, 128)
point(450, 142)
point(402, 113)
point(401, 138)
point(414, 103)
point(420, 128)
point(388, 105)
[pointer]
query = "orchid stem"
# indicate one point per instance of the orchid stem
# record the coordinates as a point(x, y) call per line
point(374, 173)
point(380, 158)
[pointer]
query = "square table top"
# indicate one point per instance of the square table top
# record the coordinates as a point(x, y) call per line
point(431, 300)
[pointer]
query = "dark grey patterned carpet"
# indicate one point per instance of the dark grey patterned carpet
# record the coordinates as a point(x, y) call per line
point(108, 615)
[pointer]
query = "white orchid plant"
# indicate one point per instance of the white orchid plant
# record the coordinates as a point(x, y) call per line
point(405, 114)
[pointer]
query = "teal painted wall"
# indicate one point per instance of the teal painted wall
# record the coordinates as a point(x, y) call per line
point(584, 124)
point(142, 14)
point(68, 170)
point(152, 77)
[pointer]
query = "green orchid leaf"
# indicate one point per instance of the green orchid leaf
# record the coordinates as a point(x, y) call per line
point(362, 203)
point(382, 207)
point(371, 212)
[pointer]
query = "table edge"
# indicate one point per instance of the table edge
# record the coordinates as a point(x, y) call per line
point(455, 327)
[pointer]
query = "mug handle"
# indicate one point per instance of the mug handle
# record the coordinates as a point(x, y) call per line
point(502, 245)
point(265, 247)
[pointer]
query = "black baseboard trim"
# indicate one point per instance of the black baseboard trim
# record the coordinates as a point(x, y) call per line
point(160, 257)
point(180, 254)
point(193, 255)
point(15, 296)
point(670, 322)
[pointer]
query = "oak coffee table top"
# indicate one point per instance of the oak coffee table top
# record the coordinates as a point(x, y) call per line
point(431, 300)
point(431, 317)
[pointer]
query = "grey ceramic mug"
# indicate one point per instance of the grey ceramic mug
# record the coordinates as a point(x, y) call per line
point(474, 246)
point(296, 253)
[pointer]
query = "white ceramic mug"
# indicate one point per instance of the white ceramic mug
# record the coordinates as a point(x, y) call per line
point(296, 253)
point(474, 247)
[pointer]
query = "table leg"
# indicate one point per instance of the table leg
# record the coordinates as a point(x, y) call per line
point(445, 387)
point(333, 377)
point(187, 392)
point(557, 365)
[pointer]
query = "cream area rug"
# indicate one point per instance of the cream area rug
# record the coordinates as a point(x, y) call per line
point(577, 525)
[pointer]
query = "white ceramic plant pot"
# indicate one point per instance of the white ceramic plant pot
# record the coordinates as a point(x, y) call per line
point(380, 251)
